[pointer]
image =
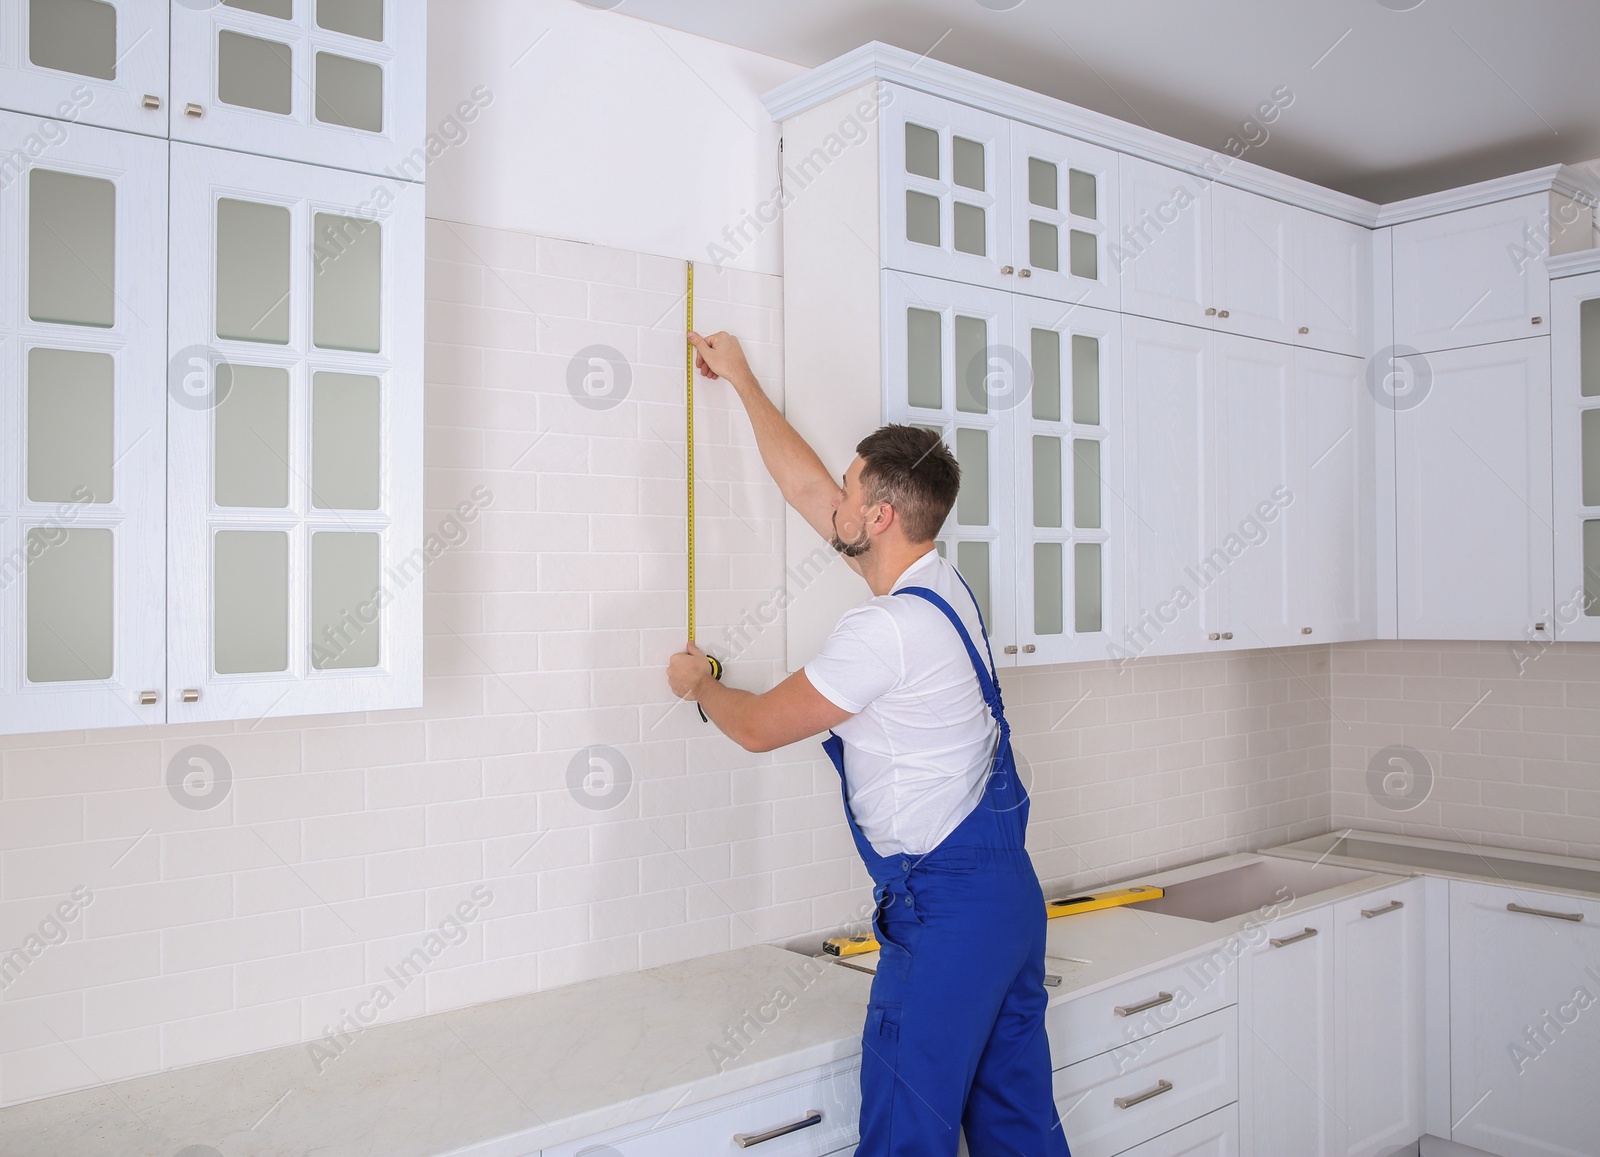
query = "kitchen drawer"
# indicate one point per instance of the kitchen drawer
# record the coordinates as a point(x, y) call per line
point(1214, 1135)
point(1166, 1080)
point(1090, 1025)
point(708, 1130)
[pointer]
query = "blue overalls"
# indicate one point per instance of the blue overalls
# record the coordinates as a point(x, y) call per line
point(955, 1022)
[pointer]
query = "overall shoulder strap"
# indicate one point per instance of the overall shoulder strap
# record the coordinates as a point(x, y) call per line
point(986, 680)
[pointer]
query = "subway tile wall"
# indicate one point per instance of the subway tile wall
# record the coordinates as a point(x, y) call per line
point(551, 814)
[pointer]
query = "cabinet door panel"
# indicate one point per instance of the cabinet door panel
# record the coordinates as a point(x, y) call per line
point(1173, 601)
point(330, 84)
point(82, 430)
point(946, 190)
point(1254, 287)
point(1163, 253)
point(1063, 216)
point(1214, 1135)
point(1575, 453)
point(1522, 1052)
point(1473, 276)
point(1332, 288)
point(87, 62)
point(295, 474)
point(1473, 495)
point(948, 366)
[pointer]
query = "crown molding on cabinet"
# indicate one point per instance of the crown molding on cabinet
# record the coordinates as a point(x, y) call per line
point(1563, 179)
point(1573, 264)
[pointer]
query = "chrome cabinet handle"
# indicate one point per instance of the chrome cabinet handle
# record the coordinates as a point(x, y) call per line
point(1305, 630)
point(1028, 648)
point(1305, 329)
point(191, 695)
point(1295, 939)
point(1024, 273)
point(1130, 1102)
point(151, 101)
point(193, 110)
point(148, 698)
point(1213, 636)
point(1227, 634)
point(1222, 313)
point(1212, 312)
point(1134, 1009)
point(1011, 648)
point(1391, 906)
point(1538, 321)
point(1007, 270)
point(745, 1140)
point(1575, 917)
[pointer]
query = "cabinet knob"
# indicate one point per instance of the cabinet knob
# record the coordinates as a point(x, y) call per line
point(1222, 313)
point(1305, 630)
point(149, 698)
point(1011, 648)
point(1028, 648)
point(151, 101)
point(1212, 312)
point(1227, 634)
point(1305, 329)
point(1007, 270)
point(191, 695)
point(193, 110)
point(1024, 273)
point(1538, 321)
point(1213, 636)
point(1538, 626)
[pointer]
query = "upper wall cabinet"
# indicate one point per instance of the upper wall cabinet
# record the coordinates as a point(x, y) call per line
point(96, 62)
point(295, 498)
point(327, 82)
point(1164, 252)
point(971, 196)
point(82, 430)
point(1575, 453)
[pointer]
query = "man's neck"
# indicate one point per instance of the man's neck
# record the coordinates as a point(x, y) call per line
point(882, 566)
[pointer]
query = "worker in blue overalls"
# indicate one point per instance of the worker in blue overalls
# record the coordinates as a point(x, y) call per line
point(954, 1039)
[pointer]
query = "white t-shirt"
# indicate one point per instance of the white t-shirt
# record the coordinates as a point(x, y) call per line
point(918, 747)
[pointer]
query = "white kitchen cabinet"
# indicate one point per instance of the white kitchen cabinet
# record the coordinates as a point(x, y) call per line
point(1287, 1020)
point(1254, 287)
point(1332, 284)
point(83, 260)
point(1163, 252)
point(295, 433)
point(1473, 496)
point(1575, 453)
point(1214, 1135)
point(1379, 977)
point(329, 82)
point(1064, 212)
point(93, 62)
point(1524, 978)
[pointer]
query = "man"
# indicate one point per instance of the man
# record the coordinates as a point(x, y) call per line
point(954, 1037)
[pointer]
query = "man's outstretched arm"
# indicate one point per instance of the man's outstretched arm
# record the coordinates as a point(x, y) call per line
point(791, 711)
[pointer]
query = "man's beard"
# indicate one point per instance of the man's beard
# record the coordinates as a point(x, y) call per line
point(856, 549)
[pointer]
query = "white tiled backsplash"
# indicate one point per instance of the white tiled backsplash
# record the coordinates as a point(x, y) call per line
point(441, 854)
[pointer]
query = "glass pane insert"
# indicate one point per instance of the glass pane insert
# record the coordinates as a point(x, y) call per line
point(1044, 246)
point(346, 283)
point(972, 451)
point(924, 361)
point(922, 218)
point(967, 162)
point(251, 433)
point(72, 225)
point(1082, 195)
point(349, 92)
point(1084, 254)
point(344, 603)
point(250, 601)
point(252, 271)
point(1047, 588)
point(1086, 484)
point(363, 18)
point(1046, 358)
point(70, 607)
point(69, 426)
point(254, 73)
point(972, 560)
point(1591, 567)
point(922, 151)
point(76, 36)
point(1085, 379)
point(969, 229)
point(1046, 480)
point(1591, 457)
point(1589, 346)
point(344, 441)
point(1087, 600)
point(1042, 183)
point(972, 365)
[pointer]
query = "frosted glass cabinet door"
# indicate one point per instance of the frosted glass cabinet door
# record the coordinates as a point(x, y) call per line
point(946, 190)
point(328, 82)
point(1575, 453)
point(1069, 513)
point(83, 323)
point(295, 472)
point(948, 365)
point(1064, 214)
point(93, 62)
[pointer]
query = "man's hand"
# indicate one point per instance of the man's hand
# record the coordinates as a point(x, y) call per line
point(688, 671)
point(721, 356)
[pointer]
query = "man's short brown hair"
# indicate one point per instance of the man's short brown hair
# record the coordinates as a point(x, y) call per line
point(913, 471)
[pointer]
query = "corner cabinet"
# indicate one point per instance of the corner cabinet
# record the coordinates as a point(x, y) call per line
point(210, 381)
point(1575, 450)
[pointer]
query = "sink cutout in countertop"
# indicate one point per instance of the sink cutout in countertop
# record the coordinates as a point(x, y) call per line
point(1255, 887)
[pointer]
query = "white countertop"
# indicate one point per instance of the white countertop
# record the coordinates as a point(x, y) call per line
point(490, 1080)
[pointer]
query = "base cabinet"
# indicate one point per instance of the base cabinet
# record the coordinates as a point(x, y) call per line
point(1214, 1135)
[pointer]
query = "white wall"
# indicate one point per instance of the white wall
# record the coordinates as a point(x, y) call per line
point(602, 128)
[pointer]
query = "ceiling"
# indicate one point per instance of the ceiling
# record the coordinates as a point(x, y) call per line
point(1391, 98)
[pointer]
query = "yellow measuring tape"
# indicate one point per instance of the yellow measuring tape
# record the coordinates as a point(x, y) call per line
point(688, 390)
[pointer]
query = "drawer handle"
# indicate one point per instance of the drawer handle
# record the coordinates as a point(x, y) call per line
point(1295, 939)
point(1575, 917)
point(745, 1140)
point(1154, 1002)
point(1130, 1102)
point(1391, 906)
